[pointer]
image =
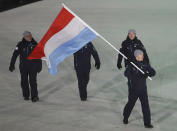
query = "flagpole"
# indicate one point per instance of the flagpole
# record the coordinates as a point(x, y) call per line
point(103, 38)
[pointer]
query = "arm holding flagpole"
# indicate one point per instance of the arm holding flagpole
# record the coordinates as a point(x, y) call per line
point(103, 39)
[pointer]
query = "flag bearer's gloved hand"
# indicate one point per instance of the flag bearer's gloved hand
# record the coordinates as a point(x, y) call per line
point(146, 75)
point(97, 65)
point(11, 68)
point(119, 66)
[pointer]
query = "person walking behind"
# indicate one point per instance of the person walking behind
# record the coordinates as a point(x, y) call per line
point(28, 68)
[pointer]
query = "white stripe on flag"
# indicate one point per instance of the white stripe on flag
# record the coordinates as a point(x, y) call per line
point(69, 32)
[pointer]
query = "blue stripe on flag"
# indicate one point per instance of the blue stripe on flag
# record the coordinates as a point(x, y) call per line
point(70, 47)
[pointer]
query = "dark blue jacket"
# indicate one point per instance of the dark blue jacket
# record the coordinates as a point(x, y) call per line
point(24, 49)
point(136, 78)
point(128, 47)
point(82, 58)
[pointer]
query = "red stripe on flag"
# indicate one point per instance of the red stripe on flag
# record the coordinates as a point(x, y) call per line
point(63, 18)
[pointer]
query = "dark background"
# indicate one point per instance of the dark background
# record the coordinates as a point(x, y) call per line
point(10, 4)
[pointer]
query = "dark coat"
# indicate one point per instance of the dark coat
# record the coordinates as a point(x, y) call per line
point(24, 49)
point(128, 47)
point(136, 78)
point(82, 58)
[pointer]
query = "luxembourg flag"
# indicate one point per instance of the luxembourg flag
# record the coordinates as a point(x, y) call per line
point(66, 35)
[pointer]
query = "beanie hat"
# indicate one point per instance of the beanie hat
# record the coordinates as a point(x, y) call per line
point(138, 52)
point(26, 33)
point(132, 30)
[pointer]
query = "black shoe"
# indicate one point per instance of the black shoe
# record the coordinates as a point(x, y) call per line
point(35, 99)
point(125, 121)
point(148, 126)
point(83, 99)
point(26, 98)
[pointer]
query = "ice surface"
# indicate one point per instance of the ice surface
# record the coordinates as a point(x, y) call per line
point(59, 108)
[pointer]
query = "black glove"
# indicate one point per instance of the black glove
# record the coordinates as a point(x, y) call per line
point(119, 66)
point(146, 75)
point(97, 65)
point(11, 68)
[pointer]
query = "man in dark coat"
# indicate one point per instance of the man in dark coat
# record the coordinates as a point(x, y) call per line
point(138, 88)
point(28, 68)
point(129, 46)
point(82, 67)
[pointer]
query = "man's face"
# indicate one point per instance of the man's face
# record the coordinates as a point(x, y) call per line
point(140, 57)
point(131, 36)
point(28, 37)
